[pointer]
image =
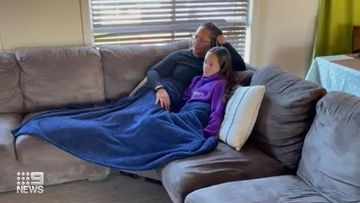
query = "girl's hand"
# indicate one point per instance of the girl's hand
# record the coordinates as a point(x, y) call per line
point(220, 40)
point(163, 99)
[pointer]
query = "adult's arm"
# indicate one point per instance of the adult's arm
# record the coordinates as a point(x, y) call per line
point(161, 69)
point(238, 63)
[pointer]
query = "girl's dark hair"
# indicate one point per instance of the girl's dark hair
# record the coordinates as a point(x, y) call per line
point(224, 59)
point(215, 31)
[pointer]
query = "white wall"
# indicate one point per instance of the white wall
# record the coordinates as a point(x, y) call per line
point(282, 34)
point(31, 23)
point(281, 30)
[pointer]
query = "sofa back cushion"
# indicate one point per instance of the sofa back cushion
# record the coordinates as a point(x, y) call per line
point(285, 115)
point(126, 65)
point(330, 160)
point(243, 78)
point(11, 99)
point(56, 77)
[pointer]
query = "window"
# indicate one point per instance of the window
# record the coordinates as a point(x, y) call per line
point(156, 22)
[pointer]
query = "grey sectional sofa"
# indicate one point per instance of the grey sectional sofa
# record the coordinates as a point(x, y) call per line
point(328, 169)
point(267, 169)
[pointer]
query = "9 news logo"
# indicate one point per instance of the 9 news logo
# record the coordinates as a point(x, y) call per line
point(30, 182)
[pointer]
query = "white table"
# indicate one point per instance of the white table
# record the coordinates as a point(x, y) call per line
point(336, 73)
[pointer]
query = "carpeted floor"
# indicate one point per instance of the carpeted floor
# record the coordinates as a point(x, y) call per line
point(117, 188)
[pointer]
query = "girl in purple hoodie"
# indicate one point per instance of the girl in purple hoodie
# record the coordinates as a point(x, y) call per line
point(212, 87)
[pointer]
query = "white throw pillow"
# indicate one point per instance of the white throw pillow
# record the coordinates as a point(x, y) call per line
point(240, 115)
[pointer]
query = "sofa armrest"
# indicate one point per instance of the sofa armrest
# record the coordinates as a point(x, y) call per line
point(8, 121)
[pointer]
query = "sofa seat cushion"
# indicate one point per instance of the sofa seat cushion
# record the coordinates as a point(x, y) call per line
point(330, 158)
point(224, 164)
point(7, 152)
point(11, 98)
point(35, 154)
point(126, 65)
point(279, 189)
point(56, 77)
point(285, 115)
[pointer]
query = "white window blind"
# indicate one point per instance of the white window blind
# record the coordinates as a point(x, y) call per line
point(156, 22)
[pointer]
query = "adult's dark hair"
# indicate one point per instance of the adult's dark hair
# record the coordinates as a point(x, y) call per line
point(224, 59)
point(215, 31)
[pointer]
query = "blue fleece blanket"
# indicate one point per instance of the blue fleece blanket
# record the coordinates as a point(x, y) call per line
point(132, 133)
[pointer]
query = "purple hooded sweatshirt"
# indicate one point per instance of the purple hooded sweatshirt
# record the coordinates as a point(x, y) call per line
point(209, 90)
